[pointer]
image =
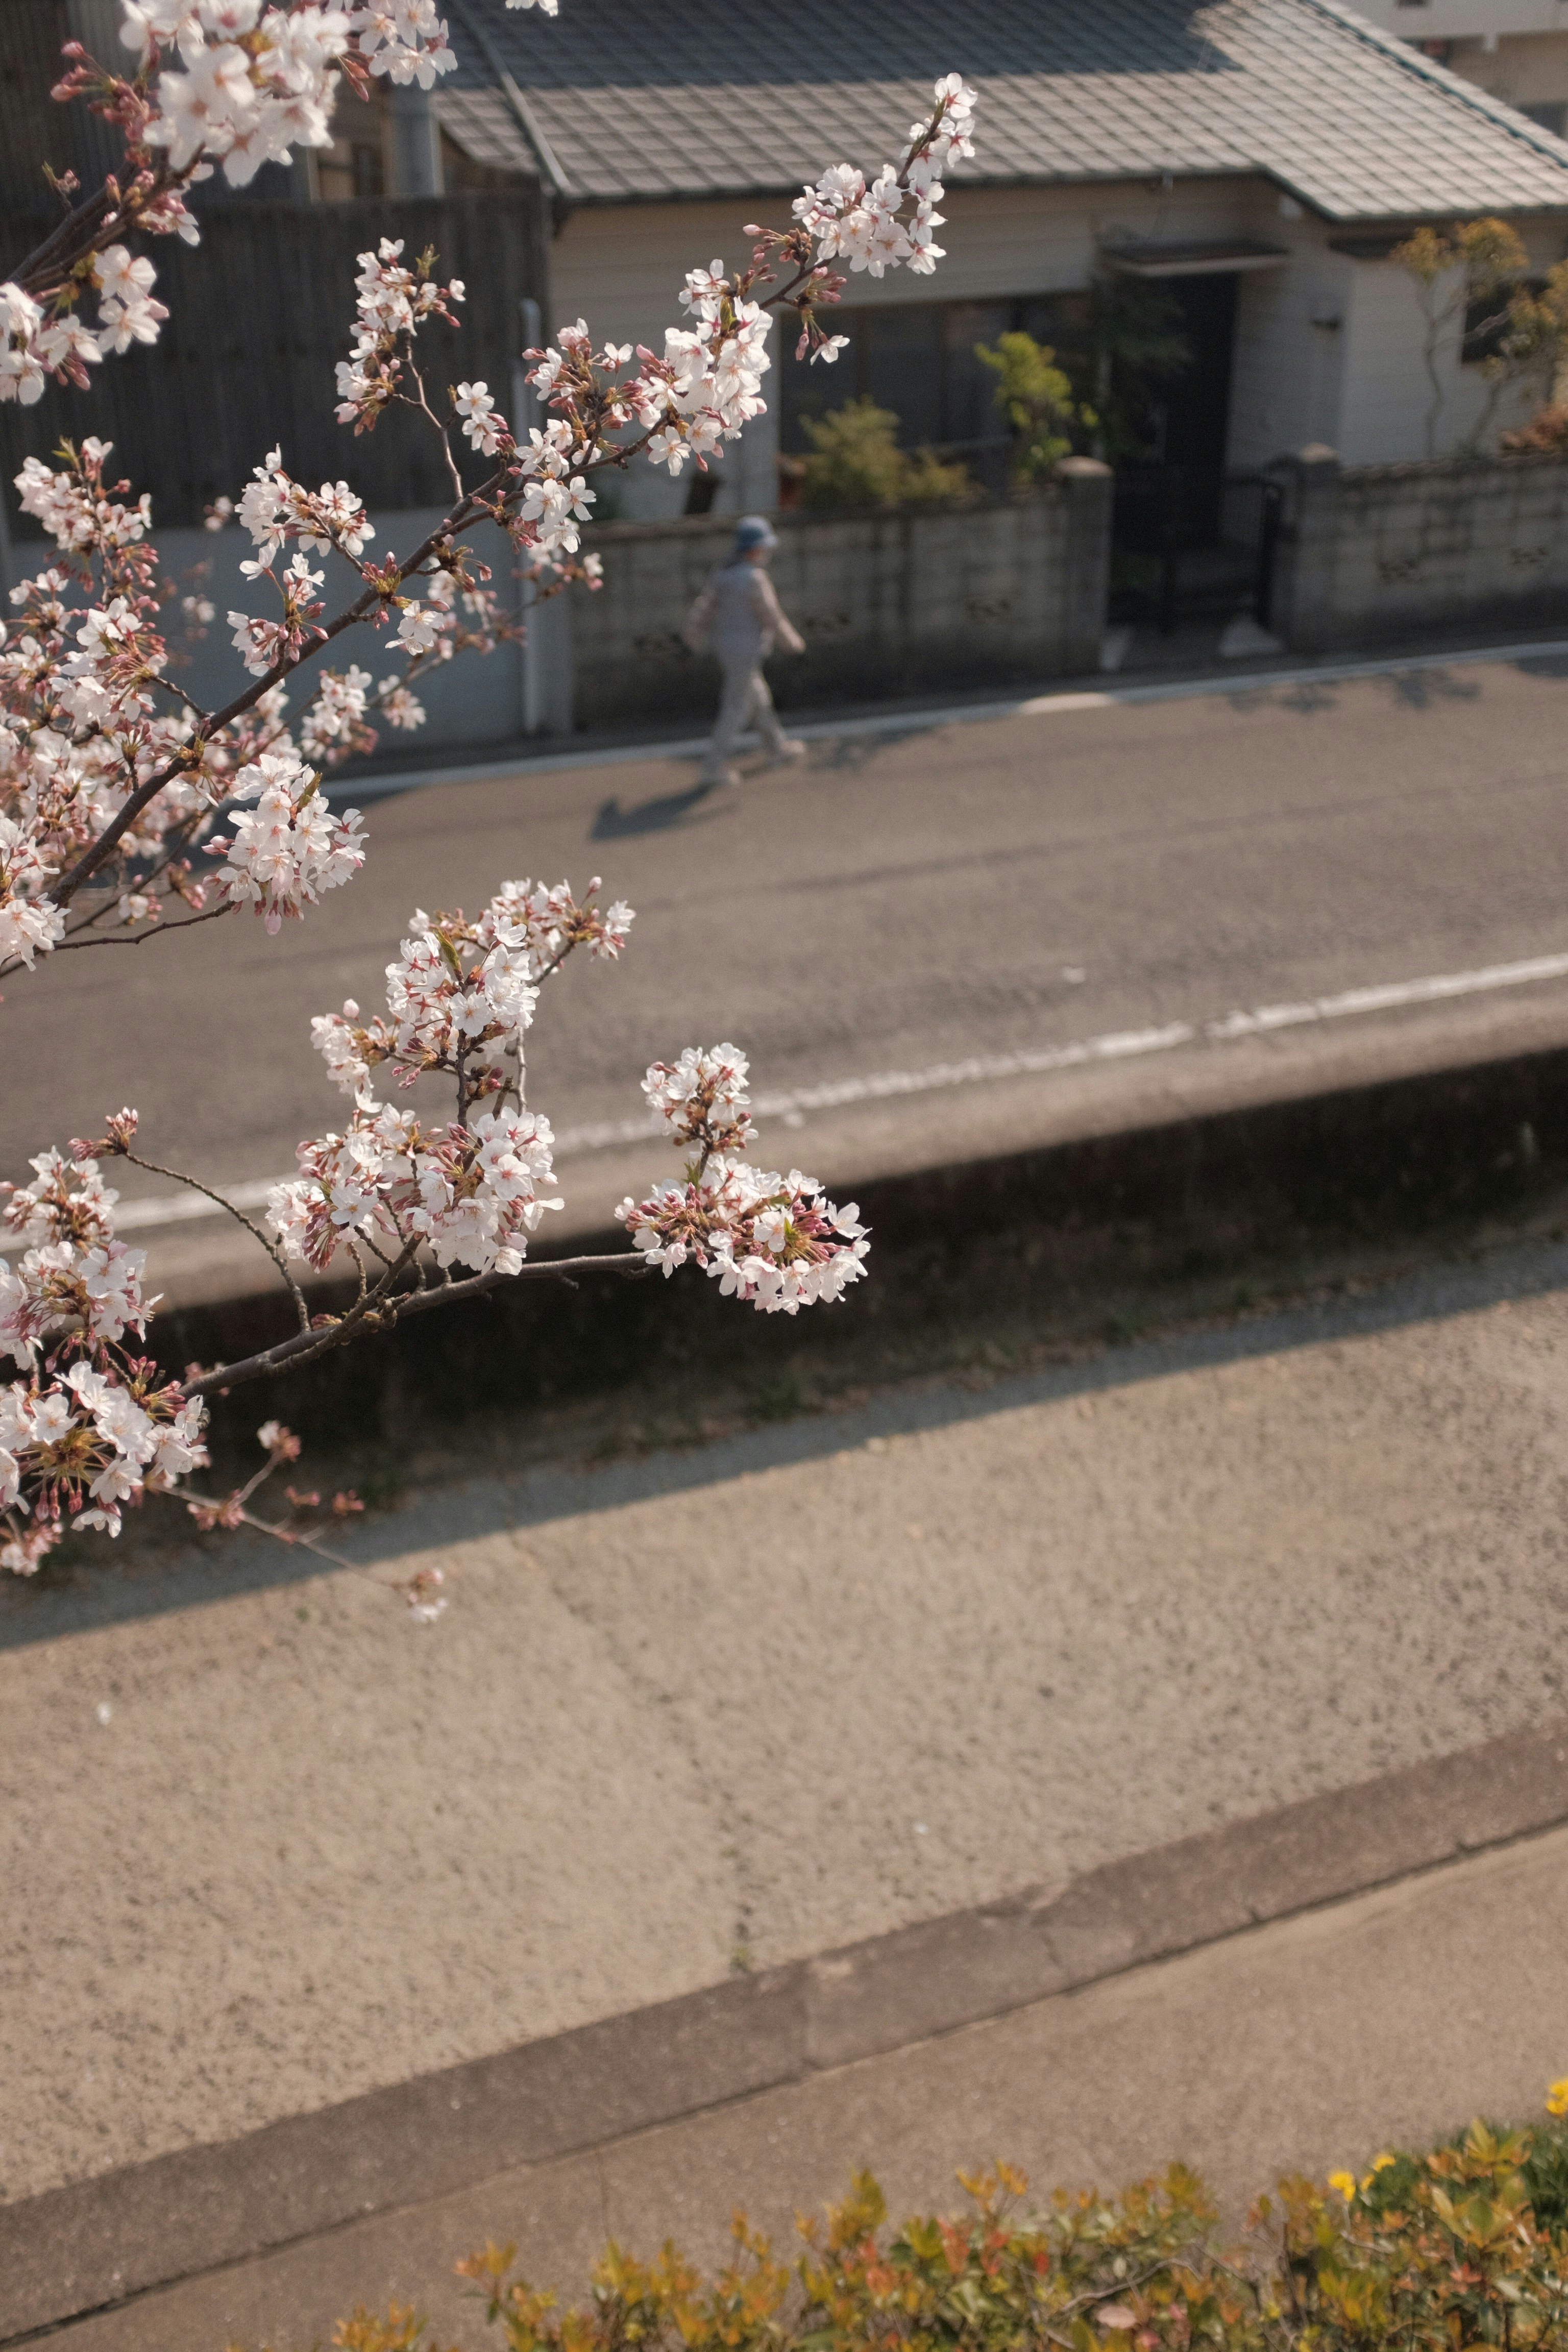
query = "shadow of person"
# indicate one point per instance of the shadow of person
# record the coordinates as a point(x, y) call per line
point(1424, 689)
point(669, 809)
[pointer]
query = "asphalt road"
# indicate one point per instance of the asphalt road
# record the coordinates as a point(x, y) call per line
point(945, 891)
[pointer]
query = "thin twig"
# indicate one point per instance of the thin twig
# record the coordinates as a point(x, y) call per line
point(422, 405)
point(178, 1176)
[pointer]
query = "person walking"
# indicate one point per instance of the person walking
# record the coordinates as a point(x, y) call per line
point(738, 618)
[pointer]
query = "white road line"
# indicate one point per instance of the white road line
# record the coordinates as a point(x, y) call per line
point(959, 714)
point(1116, 1045)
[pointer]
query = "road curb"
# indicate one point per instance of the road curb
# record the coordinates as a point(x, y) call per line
point(99, 2242)
point(1197, 1190)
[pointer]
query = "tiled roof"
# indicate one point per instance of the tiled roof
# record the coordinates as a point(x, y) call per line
point(699, 98)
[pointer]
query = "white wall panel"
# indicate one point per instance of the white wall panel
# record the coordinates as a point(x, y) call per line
point(1358, 388)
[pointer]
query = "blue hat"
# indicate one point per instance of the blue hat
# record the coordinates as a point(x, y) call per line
point(753, 531)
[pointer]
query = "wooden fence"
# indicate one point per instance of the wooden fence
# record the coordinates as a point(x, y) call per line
point(260, 313)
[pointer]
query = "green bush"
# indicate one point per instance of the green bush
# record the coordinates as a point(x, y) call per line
point(1035, 397)
point(1466, 2245)
point(856, 461)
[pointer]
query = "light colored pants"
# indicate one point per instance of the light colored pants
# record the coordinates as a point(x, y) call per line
point(746, 703)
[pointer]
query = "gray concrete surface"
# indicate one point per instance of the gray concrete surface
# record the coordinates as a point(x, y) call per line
point(107, 2240)
point(902, 900)
point(1306, 2044)
point(805, 1687)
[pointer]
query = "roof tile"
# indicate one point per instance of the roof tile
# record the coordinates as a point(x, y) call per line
point(701, 98)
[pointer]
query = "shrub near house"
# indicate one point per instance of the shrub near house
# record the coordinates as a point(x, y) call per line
point(856, 461)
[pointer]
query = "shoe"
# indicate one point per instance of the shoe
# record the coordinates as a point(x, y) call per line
point(719, 780)
point(790, 747)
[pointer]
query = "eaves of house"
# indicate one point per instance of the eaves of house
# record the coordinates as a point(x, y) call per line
point(617, 101)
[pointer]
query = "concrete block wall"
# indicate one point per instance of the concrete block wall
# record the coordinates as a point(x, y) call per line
point(889, 602)
point(1382, 551)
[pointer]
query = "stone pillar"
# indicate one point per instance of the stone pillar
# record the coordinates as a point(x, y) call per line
point(1306, 557)
point(413, 143)
point(1089, 486)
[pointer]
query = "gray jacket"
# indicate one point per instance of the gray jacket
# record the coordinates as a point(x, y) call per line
point(747, 622)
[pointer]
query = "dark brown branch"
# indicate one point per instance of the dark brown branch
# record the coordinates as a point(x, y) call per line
point(93, 856)
point(469, 506)
point(157, 932)
point(47, 260)
point(384, 1312)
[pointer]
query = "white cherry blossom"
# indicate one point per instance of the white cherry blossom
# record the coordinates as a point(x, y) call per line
point(286, 852)
point(95, 733)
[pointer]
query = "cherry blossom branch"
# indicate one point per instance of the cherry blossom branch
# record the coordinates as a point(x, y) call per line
point(306, 1346)
point(178, 1176)
point(100, 769)
point(380, 594)
point(94, 856)
point(233, 1510)
point(700, 393)
point(139, 938)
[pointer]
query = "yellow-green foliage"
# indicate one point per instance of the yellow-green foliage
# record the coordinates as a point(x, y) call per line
point(1478, 266)
point(1465, 2246)
point(1035, 397)
point(856, 461)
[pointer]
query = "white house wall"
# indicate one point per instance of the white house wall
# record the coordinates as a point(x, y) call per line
point(1448, 20)
point(1387, 396)
point(1288, 382)
point(1360, 387)
point(1530, 70)
point(621, 267)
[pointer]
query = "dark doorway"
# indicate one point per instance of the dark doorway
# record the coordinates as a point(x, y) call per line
point(1192, 409)
point(1173, 491)
point(1190, 536)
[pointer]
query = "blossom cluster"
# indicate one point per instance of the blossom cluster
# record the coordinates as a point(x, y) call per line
point(392, 302)
point(250, 85)
point(36, 343)
point(86, 711)
point(285, 851)
point(460, 994)
point(236, 83)
point(864, 222)
point(775, 1241)
point(89, 709)
point(88, 1427)
point(254, 80)
point(275, 509)
point(404, 40)
point(469, 1193)
point(702, 1099)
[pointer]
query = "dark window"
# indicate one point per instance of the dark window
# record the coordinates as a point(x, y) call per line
point(917, 359)
point(351, 168)
point(1553, 117)
point(1485, 321)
